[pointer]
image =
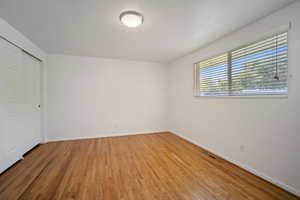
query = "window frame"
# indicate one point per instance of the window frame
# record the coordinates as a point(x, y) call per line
point(196, 92)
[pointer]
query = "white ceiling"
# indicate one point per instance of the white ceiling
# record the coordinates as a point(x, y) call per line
point(172, 28)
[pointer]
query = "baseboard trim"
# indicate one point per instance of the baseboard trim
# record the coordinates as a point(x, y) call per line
point(104, 135)
point(245, 167)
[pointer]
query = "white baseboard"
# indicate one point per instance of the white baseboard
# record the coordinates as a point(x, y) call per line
point(245, 167)
point(102, 136)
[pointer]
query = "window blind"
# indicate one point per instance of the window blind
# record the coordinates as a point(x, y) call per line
point(260, 68)
point(213, 77)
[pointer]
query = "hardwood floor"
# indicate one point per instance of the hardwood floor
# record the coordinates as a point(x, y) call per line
point(138, 167)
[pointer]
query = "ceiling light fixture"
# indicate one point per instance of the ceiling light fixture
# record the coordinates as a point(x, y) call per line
point(131, 18)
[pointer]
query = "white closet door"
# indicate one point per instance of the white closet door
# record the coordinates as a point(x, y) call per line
point(31, 94)
point(10, 104)
point(19, 98)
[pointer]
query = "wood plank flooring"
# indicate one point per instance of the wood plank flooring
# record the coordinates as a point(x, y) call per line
point(139, 167)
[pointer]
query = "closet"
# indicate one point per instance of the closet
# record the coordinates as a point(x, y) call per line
point(20, 114)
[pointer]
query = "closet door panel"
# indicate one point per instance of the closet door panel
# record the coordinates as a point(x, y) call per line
point(10, 104)
point(31, 84)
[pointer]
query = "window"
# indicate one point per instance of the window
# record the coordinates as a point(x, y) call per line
point(260, 68)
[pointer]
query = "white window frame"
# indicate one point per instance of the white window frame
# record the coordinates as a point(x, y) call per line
point(282, 96)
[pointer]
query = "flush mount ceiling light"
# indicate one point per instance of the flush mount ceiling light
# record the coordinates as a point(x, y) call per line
point(131, 18)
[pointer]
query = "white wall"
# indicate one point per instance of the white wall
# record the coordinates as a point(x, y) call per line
point(94, 97)
point(267, 128)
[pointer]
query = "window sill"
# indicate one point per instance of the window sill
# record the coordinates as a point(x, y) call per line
point(244, 97)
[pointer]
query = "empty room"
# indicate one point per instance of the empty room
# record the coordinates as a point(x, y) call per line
point(150, 100)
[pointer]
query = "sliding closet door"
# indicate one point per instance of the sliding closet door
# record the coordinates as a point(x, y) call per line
point(19, 100)
point(31, 95)
point(10, 104)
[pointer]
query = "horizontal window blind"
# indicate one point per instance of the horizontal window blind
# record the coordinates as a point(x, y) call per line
point(260, 68)
point(212, 74)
